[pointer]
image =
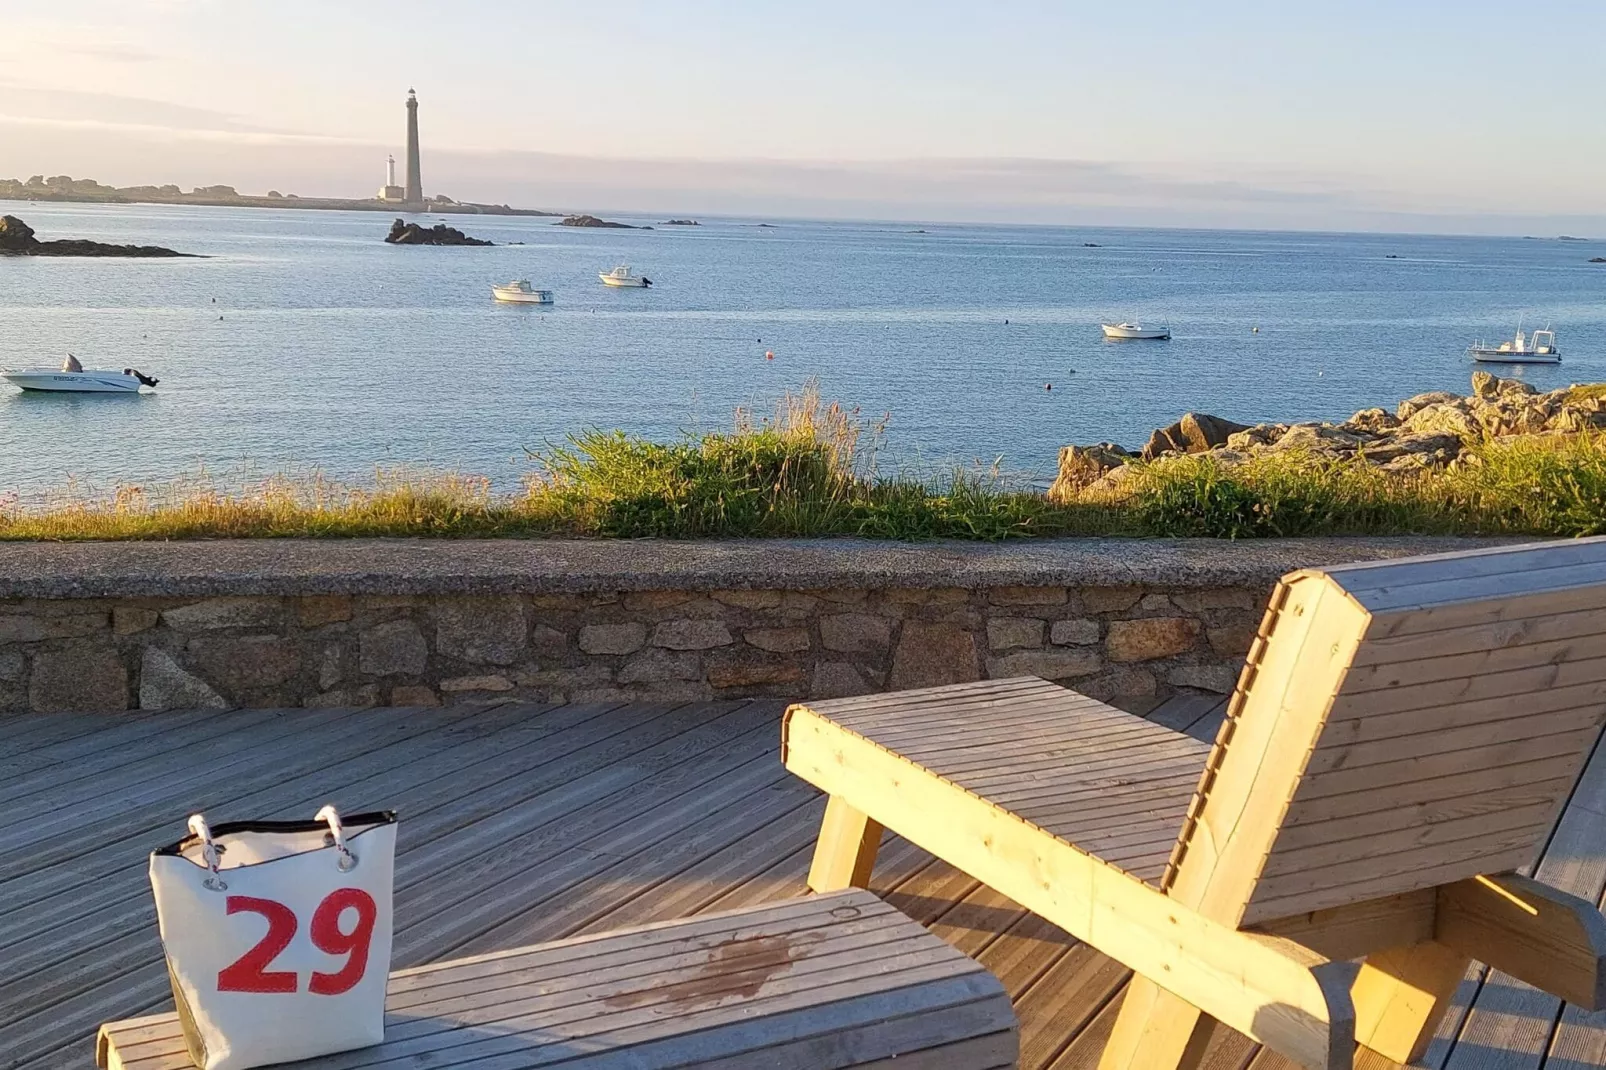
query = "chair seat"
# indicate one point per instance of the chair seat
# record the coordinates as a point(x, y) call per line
point(1100, 779)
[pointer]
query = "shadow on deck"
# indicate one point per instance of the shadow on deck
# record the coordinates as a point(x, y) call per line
point(521, 824)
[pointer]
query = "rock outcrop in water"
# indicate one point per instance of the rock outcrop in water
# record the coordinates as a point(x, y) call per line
point(1428, 431)
point(404, 233)
point(17, 239)
point(593, 221)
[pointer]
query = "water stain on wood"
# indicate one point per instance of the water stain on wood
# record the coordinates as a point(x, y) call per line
point(739, 967)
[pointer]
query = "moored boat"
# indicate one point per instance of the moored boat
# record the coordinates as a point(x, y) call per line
point(519, 292)
point(623, 276)
point(1537, 348)
point(55, 380)
point(1132, 329)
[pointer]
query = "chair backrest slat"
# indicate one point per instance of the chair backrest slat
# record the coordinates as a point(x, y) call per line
point(1400, 725)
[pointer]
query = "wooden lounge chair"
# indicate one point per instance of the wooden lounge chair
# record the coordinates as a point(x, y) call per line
point(812, 984)
point(1401, 740)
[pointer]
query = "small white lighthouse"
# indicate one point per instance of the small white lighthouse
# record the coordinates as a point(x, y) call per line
point(390, 191)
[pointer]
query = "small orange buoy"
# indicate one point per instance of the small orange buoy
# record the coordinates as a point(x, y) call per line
point(769, 354)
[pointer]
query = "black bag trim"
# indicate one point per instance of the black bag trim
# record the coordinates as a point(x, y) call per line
point(371, 818)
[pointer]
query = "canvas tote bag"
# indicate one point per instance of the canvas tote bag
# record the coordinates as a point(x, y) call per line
point(277, 935)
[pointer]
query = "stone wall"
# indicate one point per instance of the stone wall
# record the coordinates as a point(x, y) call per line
point(332, 624)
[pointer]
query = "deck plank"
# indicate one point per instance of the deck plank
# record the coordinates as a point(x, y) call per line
point(523, 823)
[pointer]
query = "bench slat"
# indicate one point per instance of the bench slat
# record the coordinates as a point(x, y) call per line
point(830, 981)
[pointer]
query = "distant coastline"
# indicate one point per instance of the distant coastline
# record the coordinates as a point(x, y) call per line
point(61, 188)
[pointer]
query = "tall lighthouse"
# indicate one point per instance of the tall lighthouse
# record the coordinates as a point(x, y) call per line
point(415, 183)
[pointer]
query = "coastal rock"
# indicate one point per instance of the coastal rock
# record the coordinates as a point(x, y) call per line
point(1411, 406)
point(681, 223)
point(1427, 432)
point(1572, 420)
point(17, 239)
point(1082, 466)
point(1371, 422)
point(404, 233)
point(593, 221)
point(1433, 447)
point(1485, 384)
point(15, 235)
point(1196, 432)
point(1318, 438)
point(1597, 260)
point(1259, 435)
point(1114, 482)
point(1450, 417)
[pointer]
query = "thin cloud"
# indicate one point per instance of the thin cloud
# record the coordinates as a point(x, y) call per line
point(139, 116)
point(111, 52)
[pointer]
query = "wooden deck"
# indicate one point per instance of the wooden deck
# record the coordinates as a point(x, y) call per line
point(522, 824)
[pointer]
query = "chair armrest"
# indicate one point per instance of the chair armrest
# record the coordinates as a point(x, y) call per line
point(1552, 940)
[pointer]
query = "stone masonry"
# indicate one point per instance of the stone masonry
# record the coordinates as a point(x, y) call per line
point(361, 650)
point(282, 623)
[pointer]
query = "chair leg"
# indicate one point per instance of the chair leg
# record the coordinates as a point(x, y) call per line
point(1400, 995)
point(1157, 1031)
point(845, 853)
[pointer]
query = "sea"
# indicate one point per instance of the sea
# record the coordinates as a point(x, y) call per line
point(303, 343)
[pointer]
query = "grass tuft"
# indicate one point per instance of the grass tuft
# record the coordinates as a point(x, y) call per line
point(809, 469)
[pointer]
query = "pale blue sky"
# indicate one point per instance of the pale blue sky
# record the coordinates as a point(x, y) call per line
point(1403, 115)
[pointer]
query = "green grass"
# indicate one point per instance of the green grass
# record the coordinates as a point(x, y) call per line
point(1523, 486)
point(810, 469)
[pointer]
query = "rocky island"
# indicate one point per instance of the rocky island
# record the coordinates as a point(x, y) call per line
point(17, 239)
point(1425, 433)
point(593, 221)
point(404, 233)
point(681, 223)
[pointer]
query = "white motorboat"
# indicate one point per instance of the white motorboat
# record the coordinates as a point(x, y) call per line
point(1537, 348)
point(127, 381)
point(1132, 329)
point(623, 276)
point(519, 292)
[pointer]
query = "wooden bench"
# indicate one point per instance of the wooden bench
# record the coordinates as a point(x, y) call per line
point(827, 981)
point(1401, 740)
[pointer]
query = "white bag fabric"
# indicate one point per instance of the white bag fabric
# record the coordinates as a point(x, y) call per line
point(277, 935)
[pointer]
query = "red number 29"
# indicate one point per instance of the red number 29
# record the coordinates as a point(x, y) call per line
point(250, 973)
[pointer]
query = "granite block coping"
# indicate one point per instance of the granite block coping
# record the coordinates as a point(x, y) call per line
point(289, 567)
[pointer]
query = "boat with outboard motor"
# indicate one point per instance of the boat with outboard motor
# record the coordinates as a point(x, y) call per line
point(1537, 348)
point(623, 276)
point(82, 381)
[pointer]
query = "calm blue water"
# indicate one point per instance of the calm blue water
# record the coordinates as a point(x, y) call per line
point(338, 351)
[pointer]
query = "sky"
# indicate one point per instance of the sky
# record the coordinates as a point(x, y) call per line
point(1420, 115)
